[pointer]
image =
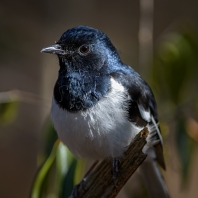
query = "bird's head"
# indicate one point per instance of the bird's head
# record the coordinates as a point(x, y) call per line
point(83, 48)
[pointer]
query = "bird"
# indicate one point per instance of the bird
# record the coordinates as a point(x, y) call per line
point(100, 104)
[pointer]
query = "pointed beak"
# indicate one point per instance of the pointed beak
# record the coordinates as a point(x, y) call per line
point(54, 49)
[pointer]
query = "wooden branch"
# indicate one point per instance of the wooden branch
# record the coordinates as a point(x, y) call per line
point(100, 183)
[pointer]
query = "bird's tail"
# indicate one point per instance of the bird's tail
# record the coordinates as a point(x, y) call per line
point(153, 179)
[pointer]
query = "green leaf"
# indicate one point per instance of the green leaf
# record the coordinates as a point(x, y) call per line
point(64, 162)
point(70, 171)
point(50, 137)
point(68, 183)
point(80, 170)
point(41, 178)
point(8, 112)
point(185, 148)
point(175, 66)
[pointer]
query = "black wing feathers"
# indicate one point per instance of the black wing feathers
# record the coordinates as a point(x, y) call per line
point(140, 94)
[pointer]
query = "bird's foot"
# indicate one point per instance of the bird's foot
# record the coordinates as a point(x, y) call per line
point(79, 186)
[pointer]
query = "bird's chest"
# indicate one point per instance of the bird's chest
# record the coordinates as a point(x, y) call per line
point(99, 132)
point(77, 91)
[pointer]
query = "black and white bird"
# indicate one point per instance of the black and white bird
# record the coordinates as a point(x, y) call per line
point(99, 103)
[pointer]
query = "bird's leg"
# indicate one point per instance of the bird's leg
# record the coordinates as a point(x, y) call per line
point(81, 184)
point(115, 169)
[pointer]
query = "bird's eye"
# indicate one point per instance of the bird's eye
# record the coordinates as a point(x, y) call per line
point(84, 49)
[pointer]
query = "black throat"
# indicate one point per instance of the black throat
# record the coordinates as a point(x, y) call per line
point(80, 90)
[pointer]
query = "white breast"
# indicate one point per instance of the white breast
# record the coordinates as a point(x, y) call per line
point(100, 132)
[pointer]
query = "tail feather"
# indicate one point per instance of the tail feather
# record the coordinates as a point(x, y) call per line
point(153, 179)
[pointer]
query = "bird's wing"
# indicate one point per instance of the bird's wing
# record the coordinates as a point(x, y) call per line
point(142, 110)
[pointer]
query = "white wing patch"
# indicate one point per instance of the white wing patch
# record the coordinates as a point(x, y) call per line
point(152, 127)
point(146, 114)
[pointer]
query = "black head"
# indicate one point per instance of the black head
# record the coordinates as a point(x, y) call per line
point(86, 57)
point(83, 48)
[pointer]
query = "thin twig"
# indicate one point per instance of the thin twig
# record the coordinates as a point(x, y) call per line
point(23, 96)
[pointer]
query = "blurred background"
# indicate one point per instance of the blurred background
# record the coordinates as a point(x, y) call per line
point(157, 38)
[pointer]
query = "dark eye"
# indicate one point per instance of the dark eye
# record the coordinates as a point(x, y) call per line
point(84, 49)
